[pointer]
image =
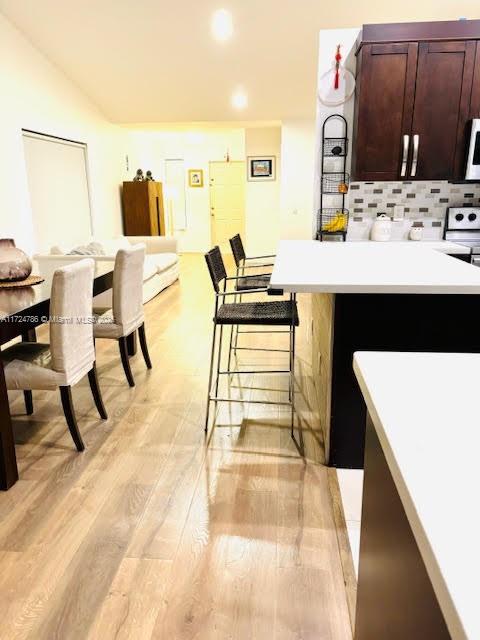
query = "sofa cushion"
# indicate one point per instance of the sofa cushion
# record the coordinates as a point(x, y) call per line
point(90, 249)
point(164, 261)
point(149, 267)
point(111, 246)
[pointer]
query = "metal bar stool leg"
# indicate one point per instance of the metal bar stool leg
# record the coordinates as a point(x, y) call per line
point(239, 299)
point(212, 357)
point(290, 364)
point(230, 352)
point(292, 373)
point(219, 360)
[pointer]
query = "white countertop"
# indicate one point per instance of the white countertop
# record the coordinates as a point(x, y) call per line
point(445, 246)
point(373, 267)
point(425, 410)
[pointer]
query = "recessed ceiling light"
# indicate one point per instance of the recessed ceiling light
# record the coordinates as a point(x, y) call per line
point(222, 25)
point(239, 99)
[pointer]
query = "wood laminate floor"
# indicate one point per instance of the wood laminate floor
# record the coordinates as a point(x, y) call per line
point(153, 532)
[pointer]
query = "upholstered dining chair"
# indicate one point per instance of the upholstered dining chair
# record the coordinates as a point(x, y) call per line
point(70, 354)
point(126, 315)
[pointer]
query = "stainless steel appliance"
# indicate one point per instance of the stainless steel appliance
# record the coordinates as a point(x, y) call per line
point(462, 225)
point(473, 160)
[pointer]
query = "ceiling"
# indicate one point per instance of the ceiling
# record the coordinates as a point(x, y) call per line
point(151, 61)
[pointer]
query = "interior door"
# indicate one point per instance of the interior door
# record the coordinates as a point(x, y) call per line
point(227, 202)
point(441, 111)
point(386, 91)
point(174, 194)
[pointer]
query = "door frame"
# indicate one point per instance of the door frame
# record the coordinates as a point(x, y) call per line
point(211, 215)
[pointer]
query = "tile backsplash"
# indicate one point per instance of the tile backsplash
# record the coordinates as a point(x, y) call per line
point(408, 204)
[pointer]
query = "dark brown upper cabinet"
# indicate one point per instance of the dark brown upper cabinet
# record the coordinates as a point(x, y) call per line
point(383, 110)
point(414, 99)
point(475, 101)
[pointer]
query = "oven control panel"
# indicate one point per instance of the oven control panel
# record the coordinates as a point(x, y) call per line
point(466, 218)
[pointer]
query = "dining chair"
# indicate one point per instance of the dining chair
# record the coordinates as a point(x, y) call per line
point(126, 315)
point(265, 313)
point(69, 356)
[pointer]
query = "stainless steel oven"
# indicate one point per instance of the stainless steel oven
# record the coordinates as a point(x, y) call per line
point(473, 159)
point(462, 225)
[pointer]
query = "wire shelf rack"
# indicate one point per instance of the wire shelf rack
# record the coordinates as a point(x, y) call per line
point(335, 183)
point(332, 221)
point(335, 147)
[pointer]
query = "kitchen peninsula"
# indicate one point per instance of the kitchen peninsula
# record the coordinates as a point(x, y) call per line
point(419, 564)
point(403, 296)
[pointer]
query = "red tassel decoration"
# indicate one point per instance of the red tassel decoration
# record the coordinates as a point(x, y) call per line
point(338, 57)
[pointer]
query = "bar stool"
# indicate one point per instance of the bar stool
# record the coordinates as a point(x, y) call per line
point(254, 281)
point(270, 313)
point(248, 282)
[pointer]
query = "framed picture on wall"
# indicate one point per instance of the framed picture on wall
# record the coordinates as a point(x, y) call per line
point(261, 168)
point(195, 177)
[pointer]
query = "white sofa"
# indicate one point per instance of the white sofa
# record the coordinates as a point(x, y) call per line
point(161, 268)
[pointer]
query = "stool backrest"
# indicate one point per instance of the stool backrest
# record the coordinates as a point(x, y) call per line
point(237, 249)
point(71, 328)
point(216, 267)
point(127, 294)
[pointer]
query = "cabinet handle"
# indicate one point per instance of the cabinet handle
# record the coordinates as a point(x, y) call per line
point(406, 142)
point(416, 143)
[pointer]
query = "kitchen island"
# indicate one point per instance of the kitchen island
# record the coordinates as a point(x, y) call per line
point(419, 559)
point(403, 296)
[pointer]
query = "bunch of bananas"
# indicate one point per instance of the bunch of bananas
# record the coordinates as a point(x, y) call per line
point(337, 223)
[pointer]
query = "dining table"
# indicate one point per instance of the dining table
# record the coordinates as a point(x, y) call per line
point(22, 310)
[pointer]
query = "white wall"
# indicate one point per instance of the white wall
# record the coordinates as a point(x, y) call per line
point(35, 95)
point(296, 191)
point(328, 41)
point(262, 222)
point(149, 149)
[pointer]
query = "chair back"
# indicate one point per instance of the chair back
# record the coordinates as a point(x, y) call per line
point(216, 267)
point(71, 328)
point(127, 295)
point(237, 249)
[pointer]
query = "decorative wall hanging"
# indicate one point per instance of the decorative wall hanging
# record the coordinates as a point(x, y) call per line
point(195, 177)
point(337, 85)
point(261, 168)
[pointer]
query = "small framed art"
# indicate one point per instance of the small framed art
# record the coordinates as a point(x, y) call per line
point(261, 168)
point(195, 177)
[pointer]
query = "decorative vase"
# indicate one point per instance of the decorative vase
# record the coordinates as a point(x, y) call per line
point(15, 265)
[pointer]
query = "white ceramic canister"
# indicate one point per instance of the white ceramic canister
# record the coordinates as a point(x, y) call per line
point(416, 233)
point(381, 229)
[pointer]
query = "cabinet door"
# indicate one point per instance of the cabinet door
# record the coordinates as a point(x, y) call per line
point(475, 102)
point(441, 111)
point(383, 109)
